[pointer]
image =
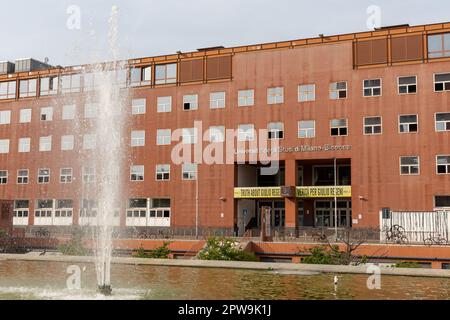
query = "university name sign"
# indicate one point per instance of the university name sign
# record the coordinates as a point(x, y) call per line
point(296, 149)
point(301, 192)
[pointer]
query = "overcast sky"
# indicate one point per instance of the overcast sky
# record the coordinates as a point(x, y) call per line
point(40, 29)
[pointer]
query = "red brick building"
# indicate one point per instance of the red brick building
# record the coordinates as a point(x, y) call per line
point(375, 103)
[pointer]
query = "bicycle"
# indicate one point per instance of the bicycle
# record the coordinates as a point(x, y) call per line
point(396, 234)
point(437, 240)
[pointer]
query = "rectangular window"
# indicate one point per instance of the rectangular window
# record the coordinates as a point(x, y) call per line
point(7, 90)
point(442, 121)
point(439, 45)
point(138, 106)
point(49, 86)
point(189, 171)
point(163, 137)
point(164, 104)
point(163, 172)
point(246, 98)
point(275, 95)
point(442, 202)
point(45, 144)
point(67, 142)
point(246, 132)
point(46, 114)
point(137, 138)
point(443, 164)
point(166, 73)
point(5, 117)
point(338, 90)
point(217, 100)
point(88, 175)
point(306, 92)
point(24, 145)
point(407, 85)
point(372, 88)
point(90, 110)
point(22, 176)
point(91, 81)
point(189, 135)
point(27, 88)
point(190, 102)
point(408, 123)
point(275, 130)
point(372, 125)
point(71, 83)
point(216, 134)
point(43, 176)
point(65, 175)
point(89, 141)
point(339, 127)
point(409, 165)
point(3, 176)
point(442, 82)
point(4, 146)
point(307, 129)
point(68, 112)
point(25, 115)
point(140, 76)
point(137, 173)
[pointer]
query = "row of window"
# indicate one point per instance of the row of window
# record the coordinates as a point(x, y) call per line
point(409, 165)
point(275, 95)
point(245, 132)
point(162, 173)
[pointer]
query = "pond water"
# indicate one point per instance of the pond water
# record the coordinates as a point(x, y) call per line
point(47, 280)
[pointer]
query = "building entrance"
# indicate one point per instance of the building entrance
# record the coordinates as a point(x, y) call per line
point(278, 212)
point(324, 213)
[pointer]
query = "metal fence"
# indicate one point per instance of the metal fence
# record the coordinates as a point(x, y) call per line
point(417, 226)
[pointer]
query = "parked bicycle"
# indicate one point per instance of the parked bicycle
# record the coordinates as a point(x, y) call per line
point(438, 240)
point(42, 233)
point(396, 234)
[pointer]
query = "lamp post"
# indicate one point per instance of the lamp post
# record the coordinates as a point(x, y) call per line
point(196, 202)
point(335, 202)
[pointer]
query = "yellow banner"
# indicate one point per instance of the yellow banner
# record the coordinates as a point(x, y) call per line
point(254, 193)
point(301, 192)
point(324, 192)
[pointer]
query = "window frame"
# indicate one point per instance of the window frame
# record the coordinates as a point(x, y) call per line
point(306, 130)
point(163, 137)
point(443, 82)
point(339, 128)
point(447, 166)
point(440, 121)
point(408, 123)
point(416, 84)
point(217, 103)
point(139, 176)
point(189, 172)
point(338, 91)
point(409, 166)
point(45, 178)
point(275, 96)
point(246, 98)
point(68, 178)
point(19, 176)
point(191, 103)
point(372, 88)
point(160, 175)
point(306, 93)
point(372, 126)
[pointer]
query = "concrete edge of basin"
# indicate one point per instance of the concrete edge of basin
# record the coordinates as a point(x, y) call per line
point(361, 269)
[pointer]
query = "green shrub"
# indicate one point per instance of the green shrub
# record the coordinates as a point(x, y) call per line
point(407, 264)
point(224, 249)
point(74, 247)
point(161, 252)
point(324, 255)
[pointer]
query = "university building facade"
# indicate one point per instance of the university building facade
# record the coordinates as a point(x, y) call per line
point(363, 118)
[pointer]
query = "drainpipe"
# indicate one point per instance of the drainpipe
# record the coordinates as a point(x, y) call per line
point(196, 202)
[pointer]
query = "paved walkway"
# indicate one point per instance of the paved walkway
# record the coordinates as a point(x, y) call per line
point(276, 267)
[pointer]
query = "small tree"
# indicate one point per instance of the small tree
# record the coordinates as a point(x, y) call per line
point(161, 252)
point(352, 239)
point(224, 249)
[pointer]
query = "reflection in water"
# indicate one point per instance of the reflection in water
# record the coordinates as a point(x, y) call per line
point(46, 280)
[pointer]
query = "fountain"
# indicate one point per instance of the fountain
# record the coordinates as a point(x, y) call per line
point(107, 160)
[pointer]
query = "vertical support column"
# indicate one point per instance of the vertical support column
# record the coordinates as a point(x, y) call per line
point(291, 206)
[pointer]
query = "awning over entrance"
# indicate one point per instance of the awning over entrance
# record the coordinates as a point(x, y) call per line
point(300, 192)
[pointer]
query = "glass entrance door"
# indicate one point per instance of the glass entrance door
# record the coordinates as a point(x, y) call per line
point(324, 214)
point(278, 213)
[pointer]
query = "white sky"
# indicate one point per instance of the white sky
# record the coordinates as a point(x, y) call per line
point(152, 27)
